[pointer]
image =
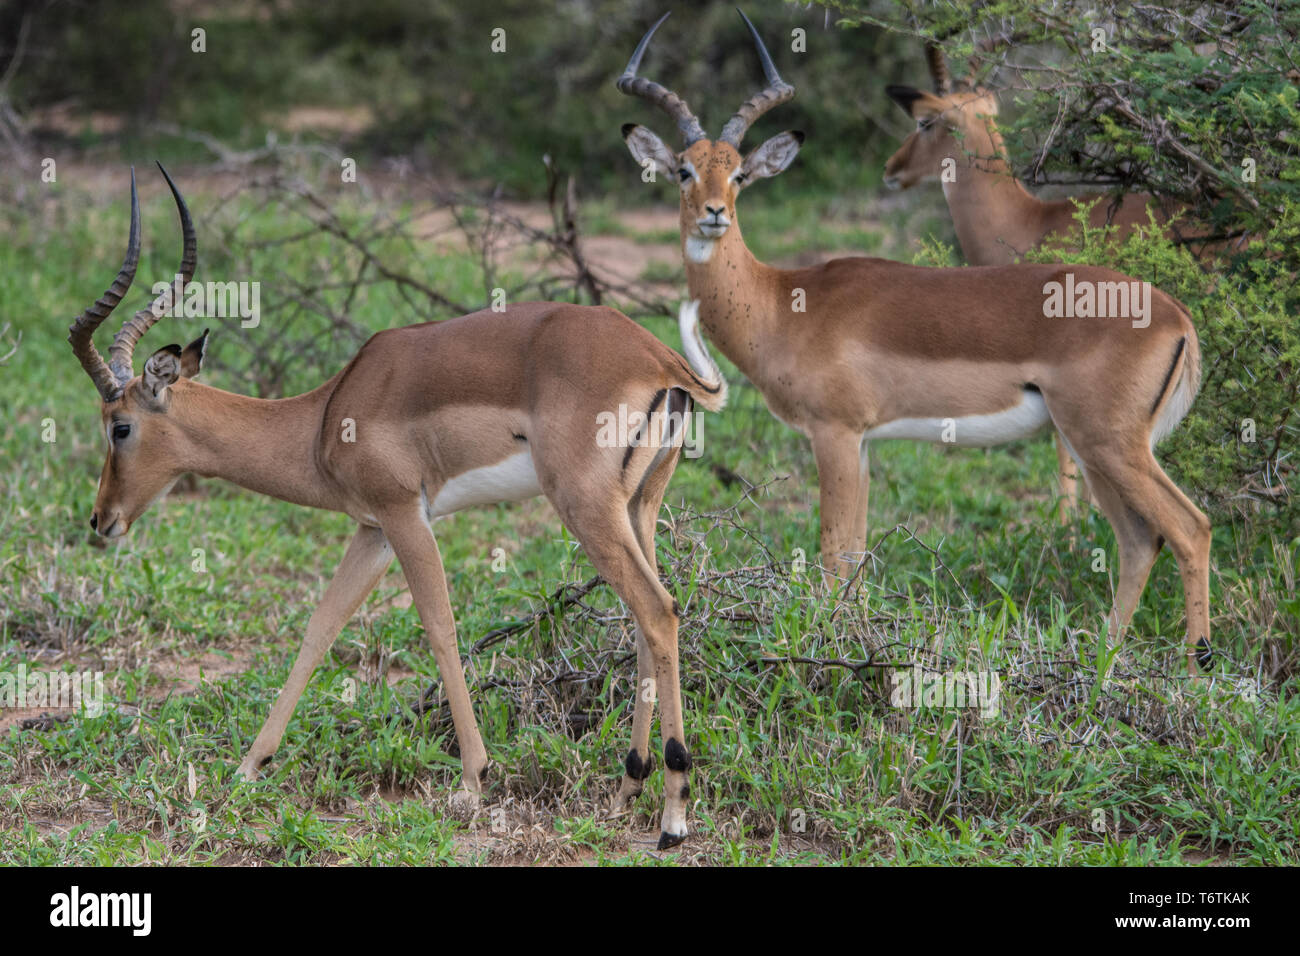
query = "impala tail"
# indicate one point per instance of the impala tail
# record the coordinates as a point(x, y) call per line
point(1181, 385)
point(711, 387)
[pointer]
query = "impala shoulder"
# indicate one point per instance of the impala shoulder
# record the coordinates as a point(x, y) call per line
point(341, 391)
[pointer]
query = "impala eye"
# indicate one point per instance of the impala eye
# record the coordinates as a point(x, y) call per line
point(738, 178)
point(683, 174)
point(120, 431)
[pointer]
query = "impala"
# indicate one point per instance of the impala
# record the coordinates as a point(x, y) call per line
point(887, 350)
point(424, 421)
point(996, 218)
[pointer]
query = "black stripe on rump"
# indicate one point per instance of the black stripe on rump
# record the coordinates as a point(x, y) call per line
point(635, 440)
point(1178, 353)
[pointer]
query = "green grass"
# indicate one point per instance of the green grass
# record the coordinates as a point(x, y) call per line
point(794, 762)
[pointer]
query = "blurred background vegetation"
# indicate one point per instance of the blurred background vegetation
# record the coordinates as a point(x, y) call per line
point(419, 78)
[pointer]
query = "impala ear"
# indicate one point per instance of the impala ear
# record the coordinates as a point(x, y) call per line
point(773, 156)
point(646, 147)
point(904, 96)
point(192, 356)
point(162, 369)
point(917, 104)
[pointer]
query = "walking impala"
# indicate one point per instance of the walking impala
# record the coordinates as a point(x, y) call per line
point(886, 350)
point(482, 408)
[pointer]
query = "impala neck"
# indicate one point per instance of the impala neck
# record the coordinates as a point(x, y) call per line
point(735, 293)
point(267, 446)
point(995, 217)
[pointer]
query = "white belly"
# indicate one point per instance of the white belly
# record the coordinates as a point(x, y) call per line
point(512, 479)
point(973, 431)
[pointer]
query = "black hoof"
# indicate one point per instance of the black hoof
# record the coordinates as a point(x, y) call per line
point(1204, 655)
point(669, 840)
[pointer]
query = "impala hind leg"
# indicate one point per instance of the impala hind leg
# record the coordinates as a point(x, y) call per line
point(417, 550)
point(1188, 531)
point(1142, 499)
point(612, 546)
point(859, 540)
point(1074, 492)
point(643, 512)
point(364, 563)
point(1139, 544)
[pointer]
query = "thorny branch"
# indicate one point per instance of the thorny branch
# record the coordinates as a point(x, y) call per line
point(376, 249)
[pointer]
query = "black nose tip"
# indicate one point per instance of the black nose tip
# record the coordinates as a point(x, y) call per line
point(715, 210)
point(94, 522)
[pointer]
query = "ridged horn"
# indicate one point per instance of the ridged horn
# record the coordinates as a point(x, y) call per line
point(123, 347)
point(82, 330)
point(660, 96)
point(776, 93)
point(938, 69)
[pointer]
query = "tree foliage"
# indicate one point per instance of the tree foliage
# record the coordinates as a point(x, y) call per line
point(440, 91)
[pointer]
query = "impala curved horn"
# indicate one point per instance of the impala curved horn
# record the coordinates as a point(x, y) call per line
point(938, 69)
point(123, 347)
point(660, 96)
point(82, 330)
point(776, 93)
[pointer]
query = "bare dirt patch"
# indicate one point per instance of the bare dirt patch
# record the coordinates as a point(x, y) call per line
point(185, 675)
point(348, 121)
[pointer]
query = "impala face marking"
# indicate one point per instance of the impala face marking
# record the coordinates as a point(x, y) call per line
point(472, 410)
point(881, 349)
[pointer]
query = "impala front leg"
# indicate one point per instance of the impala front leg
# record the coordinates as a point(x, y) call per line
point(364, 563)
point(859, 540)
point(417, 550)
point(841, 475)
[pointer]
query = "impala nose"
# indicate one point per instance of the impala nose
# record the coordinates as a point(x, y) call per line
point(715, 211)
point(94, 521)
